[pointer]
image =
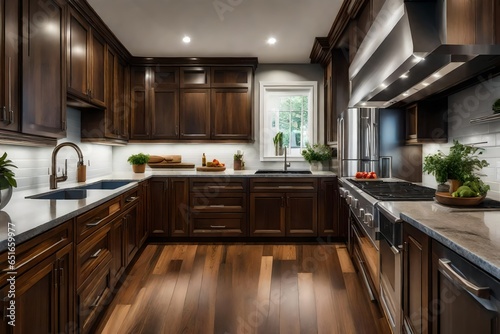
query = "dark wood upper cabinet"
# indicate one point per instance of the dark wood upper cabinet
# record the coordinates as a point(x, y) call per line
point(9, 68)
point(231, 110)
point(139, 117)
point(195, 77)
point(44, 68)
point(164, 106)
point(195, 116)
point(231, 76)
point(86, 62)
point(427, 122)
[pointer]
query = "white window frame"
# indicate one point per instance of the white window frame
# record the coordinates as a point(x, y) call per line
point(267, 87)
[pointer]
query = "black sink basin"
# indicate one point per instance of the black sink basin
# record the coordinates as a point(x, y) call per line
point(106, 184)
point(63, 194)
point(278, 171)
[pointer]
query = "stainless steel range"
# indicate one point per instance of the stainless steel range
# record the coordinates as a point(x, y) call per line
point(374, 238)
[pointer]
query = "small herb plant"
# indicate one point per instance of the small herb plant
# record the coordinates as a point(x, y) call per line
point(462, 163)
point(238, 156)
point(6, 173)
point(317, 152)
point(138, 159)
point(278, 139)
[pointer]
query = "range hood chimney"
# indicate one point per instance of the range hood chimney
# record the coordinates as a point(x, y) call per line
point(415, 49)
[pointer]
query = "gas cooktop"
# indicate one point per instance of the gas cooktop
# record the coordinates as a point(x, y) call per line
point(395, 191)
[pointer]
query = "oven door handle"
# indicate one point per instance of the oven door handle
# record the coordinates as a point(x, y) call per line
point(395, 250)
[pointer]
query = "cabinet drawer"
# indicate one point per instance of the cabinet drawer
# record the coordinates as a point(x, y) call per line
point(219, 203)
point(91, 221)
point(93, 298)
point(35, 250)
point(218, 224)
point(131, 197)
point(215, 185)
point(283, 184)
point(91, 252)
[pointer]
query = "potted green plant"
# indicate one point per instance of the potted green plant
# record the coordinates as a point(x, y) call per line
point(238, 163)
point(278, 143)
point(138, 162)
point(459, 166)
point(316, 154)
point(7, 181)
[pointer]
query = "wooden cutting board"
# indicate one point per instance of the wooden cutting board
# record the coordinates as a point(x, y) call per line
point(166, 164)
point(210, 169)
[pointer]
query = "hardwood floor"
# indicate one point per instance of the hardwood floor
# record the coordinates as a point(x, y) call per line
point(242, 288)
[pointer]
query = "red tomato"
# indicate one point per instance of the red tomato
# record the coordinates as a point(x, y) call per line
point(365, 175)
point(359, 175)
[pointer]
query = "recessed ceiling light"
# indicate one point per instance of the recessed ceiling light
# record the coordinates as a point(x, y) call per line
point(363, 104)
point(404, 76)
point(436, 75)
point(186, 39)
point(417, 59)
point(425, 84)
point(383, 86)
point(271, 41)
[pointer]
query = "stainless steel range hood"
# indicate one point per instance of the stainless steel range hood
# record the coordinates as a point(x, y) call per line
point(408, 53)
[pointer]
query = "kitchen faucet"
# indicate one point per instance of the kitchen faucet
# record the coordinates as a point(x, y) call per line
point(285, 164)
point(53, 176)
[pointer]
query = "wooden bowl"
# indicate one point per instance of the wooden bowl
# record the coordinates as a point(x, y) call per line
point(446, 199)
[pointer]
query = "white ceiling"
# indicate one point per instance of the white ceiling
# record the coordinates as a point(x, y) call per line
point(219, 28)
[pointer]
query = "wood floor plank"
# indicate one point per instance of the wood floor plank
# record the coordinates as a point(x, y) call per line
point(205, 321)
point(307, 304)
point(345, 260)
point(116, 319)
point(272, 322)
point(289, 303)
point(284, 252)
point(162, 263)
point(223, 304)
point(261, 312)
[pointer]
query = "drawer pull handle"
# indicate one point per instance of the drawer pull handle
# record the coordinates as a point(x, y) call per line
point(95, 303)
point(217, 205)
point(218, 226)
point(131, 199)
point(96, 254)
point(48, 249)
point(285, 186)
point(447, 270)
point(97, 222)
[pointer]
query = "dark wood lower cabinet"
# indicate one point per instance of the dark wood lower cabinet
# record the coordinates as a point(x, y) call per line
point(329, 210)
point(179, 207)
point(267, 214)
point(158, 207)
point(465, 299)
point(131, 220)
point(301, 214)
point(416, 280)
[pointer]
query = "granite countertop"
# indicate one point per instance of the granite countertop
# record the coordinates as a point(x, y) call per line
point(31, 217)
point(475, 235)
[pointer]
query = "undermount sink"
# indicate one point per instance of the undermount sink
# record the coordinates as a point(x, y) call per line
point(278, 171)
point(106, 184)
point(63, 194)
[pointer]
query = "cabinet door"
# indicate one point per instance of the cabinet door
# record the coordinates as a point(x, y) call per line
point(98, 70)
point(195, 113)
point(44, 70)
point(194, 77)
point(139, 118)
point(159, 209)
point(9, 68)
point(301, 214)
point(131, 238)
point(328, 208)
point(65, 290)
point(165, 103)
point(415, 280)
point(231, 111)
point(267, 214)
point(119, 260)
point(111, 127)
point(143, 227)
point(231, 76)
point(121, 103)
point(179, 207)
point(78, 56)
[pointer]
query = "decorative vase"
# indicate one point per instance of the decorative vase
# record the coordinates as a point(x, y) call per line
point(139, 168)
point(237, 165)
point(454, 184)
point(5, 196)
point(316, 166)
point(278, 150)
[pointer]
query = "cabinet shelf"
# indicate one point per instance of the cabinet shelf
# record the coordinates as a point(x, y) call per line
point(485, 119)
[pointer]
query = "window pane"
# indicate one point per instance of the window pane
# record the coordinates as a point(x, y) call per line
point(284, 103)
point(296, 103)
point(296, 128)
point(305, 103)
point(285, 127)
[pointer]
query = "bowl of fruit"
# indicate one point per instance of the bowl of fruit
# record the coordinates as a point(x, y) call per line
point(471, 193)
point(212, 166)
point(366, 175)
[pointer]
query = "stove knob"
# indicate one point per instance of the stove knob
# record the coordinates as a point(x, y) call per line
point(362, 214)
point(368, 219)
point(349, 199)
point(345, 193)
point(355, 203)
point(342, 192)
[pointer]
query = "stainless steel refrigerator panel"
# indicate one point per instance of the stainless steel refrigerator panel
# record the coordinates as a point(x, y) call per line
point(350, 134)
point(369, 133)
point(350, 167)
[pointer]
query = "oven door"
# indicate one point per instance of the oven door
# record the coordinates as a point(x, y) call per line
point(365, 256)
